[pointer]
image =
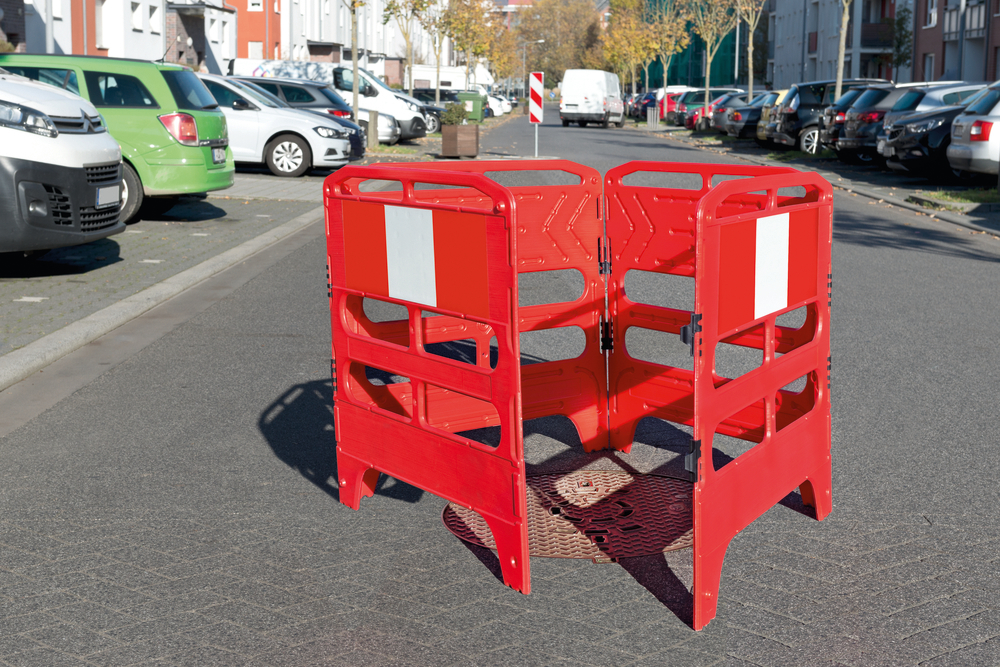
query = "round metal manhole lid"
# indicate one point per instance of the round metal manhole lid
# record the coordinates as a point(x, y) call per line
point(595, 514)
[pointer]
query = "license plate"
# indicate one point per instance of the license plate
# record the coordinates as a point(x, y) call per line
point(218, 155)
point(888, 151)
point(880, 147)
point(108, 196)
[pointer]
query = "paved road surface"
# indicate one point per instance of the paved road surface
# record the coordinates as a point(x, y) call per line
point(180, 507)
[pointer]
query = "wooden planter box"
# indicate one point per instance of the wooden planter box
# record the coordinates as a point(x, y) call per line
point(459, 140)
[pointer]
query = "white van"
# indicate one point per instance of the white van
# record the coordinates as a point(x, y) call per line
point(374, 95)
point(60, 174)
point(591, 96)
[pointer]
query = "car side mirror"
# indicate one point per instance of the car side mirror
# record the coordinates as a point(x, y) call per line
point(240, 104)
point(369, 91)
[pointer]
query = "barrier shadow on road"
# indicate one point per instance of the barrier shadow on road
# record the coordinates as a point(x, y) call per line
point(74, 260)
point(299, 428)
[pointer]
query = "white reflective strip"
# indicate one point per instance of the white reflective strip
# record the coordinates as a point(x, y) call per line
point(409, 249)
point(771, 268)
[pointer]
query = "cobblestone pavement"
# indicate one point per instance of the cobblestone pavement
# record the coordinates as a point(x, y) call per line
point(182, 509)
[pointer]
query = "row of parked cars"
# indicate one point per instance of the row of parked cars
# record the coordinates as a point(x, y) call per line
point(941, 130)
point(88, 143)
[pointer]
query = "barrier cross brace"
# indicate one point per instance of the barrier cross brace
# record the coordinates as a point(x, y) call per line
point(447, 245)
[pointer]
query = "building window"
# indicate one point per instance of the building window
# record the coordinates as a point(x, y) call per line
point(136, 16)
point(99, 24)
point(931, 19)
point(224, 37)
point(57, 12)
point(255, 5)
point(255, 50)
point(213, 30)
point(154, 19)
point(928, 67)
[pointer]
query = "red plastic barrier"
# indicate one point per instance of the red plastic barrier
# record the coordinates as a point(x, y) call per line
point(451, 242)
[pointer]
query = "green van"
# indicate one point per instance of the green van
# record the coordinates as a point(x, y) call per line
point(173, 136)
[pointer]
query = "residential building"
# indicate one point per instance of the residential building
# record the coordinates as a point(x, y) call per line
point(12, 23)
point(805, 39)
point(956, 40)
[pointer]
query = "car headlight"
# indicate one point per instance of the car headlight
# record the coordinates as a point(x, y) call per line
point(329, 132)
point(27, 119)
point(925, 126)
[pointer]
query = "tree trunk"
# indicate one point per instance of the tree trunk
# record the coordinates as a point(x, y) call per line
point(645, 81)
point(708, 82)
point(409, 61)
point(845, 17)
point(749, 68)
point(437, 59)
point(355, 54)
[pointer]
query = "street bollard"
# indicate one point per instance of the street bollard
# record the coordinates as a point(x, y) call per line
point(372, 130)
point(652, 118)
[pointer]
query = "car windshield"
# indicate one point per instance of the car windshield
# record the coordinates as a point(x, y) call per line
point(262, 98)
point(808, 94)
point(909, 100)
point(770, 99)
point(188, 90)
point(870, 98)
point(847, 98)
point(276, 101)
point(378, 82)
point(984, 104)
point(976, 97)
point(759, 100)
point(331, 95)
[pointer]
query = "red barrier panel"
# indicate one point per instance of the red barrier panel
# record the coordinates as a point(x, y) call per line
point(448, 245)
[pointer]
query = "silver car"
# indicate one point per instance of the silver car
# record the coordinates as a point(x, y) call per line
point(975, 137)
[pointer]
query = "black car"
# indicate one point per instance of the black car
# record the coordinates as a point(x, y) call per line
point(303, 94)
point(719, 110)
point(919, 143)
point(741, 122)
point(858, 140)
point(647, 101)
point(797, 124)
point(426, 95)
point(356, 134)
point(832, 120)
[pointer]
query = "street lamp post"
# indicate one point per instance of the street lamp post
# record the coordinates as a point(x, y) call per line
point(524, 66)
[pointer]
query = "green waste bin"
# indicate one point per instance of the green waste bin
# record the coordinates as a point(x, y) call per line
point(474, 103)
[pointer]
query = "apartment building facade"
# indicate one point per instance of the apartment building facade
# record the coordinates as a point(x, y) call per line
point(957, 39)
point(804, 39)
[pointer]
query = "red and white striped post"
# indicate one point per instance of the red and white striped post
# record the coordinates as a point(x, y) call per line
point(535, 108)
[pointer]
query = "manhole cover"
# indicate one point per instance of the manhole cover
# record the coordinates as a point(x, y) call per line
point(593, 514)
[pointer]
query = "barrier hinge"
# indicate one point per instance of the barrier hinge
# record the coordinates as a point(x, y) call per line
point(691, 460)
point(689, 330)
point(604, 257)
point(607, 336)
point(333, 374)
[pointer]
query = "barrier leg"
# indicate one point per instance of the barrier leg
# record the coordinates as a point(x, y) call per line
point(707, 575)
point(512, 551)
point(816, 491)
point(357, 480)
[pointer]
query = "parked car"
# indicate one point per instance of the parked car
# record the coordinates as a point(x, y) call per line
point(694, 100)
point(432, 115)
point(646, 101)
point(718, 111)
point(919, 143)
point(832, 120)
point(355, 133)
point(591, 96)
point(408, 111)
point(767, 123)
point(741, 122)
point(318, 96)
point(60, 175)
point(495, 105)
point(974, 144)
point(926, 98)
point(858, 140)
point(797, 122)
point(288, 141)
point(426, 95)
point(172, 134)
point(668, 101)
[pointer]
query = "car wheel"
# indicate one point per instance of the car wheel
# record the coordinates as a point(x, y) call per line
point(433, 124)
point(288, 155)
point(583, 123)
point(809, 141)
point(565, 122)
point(132, 195)
point(621, 121)
point(606, 121)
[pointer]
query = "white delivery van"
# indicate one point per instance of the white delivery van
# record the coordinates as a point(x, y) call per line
point(372, 96)
point(60, 170)
point(591, 96)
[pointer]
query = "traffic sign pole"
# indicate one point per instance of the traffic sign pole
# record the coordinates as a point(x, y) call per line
point(535, 107)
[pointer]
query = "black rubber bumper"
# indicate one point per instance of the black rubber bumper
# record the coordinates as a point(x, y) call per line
point(44, 206)
point(413, 128)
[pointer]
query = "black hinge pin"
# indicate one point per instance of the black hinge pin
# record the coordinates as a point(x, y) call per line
point(689, 330)
point(691, 460)
point(604, 257)
point(607, 336)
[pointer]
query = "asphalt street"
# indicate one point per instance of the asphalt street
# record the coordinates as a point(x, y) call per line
point(170, 496)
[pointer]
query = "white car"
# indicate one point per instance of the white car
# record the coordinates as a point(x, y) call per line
point(504, 103)
point(60, 176)
point(975, 137)
point(495, 105)
point(288, 141)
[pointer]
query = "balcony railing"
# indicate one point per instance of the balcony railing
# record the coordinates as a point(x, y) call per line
point(952, 22)
point(876, 35)
point(975, 21)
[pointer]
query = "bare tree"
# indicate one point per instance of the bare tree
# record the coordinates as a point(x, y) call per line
point(845, 18)
point(407, 14)
point(469, 25)
point(670, 31)
point(750, 11)
point(713, 20)
point(433, 21)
